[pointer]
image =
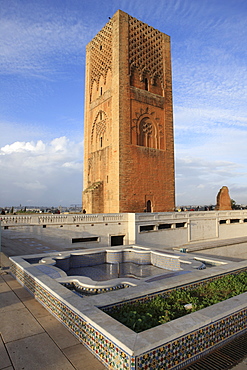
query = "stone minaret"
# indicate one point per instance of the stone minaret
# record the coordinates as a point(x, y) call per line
point(128, 126)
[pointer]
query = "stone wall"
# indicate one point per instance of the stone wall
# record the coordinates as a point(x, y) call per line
point(128, 126)
point(166, 230)
point(163, 230)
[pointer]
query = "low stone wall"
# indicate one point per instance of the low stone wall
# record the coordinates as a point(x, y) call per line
point(89, 230)
point(160, 230)
point(164, 230)
point(61, 219)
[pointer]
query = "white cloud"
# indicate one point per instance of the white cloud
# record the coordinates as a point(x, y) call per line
point(23, 147)
point(59, 144)
point(198, 180)
point(216, 144)
point(39, 171)
point(31, 186)
point(36, 46)
point(209, 156)
point(72, 165)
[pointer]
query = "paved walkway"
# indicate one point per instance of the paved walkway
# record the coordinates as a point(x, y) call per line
point(214, 243)
point(31, 338)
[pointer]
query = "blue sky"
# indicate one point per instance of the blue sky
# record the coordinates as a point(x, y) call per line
point(42, 68)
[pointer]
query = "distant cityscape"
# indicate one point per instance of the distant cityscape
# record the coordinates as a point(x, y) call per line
point(78, 208)
point(73, 208)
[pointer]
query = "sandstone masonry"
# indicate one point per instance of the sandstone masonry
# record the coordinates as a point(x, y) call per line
point(128, 126)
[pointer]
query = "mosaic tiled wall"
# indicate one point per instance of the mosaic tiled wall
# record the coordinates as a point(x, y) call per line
point(172, 355)
point(63, 263)
point(76, 260)
point(114, 256)
point(102, 347)
point(179, 352)
point(166, 262)
point(138, 257)
point(96, 290)
point(87, 259)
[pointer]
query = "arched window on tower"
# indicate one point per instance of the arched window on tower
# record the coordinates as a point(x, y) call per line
point(98, 133)
point(147, 134)
point(149, 206)
point(146, 83)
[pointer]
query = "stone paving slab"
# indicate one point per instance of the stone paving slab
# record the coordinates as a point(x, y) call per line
point(37, 352)
point(4, 260)
point(4, 357)
point(9, 302)
point(12, 282)
point(13, 285)
point(242, 365)
point(3, 286)
point(19, 241)
point(32, 339)
point(22, 293)
point(214, 243)
point(17, 324)
point(58, 332)
point(36, 309)
point(78, 355)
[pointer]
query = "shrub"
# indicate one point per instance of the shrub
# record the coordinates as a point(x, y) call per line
point(141, 316)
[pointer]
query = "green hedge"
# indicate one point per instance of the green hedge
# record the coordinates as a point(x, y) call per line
point(161, 309)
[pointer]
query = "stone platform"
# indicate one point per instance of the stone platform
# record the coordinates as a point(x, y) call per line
point(31, 338)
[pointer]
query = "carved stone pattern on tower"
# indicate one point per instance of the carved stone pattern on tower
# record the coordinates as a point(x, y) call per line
point(99, 125)
point(101, 55)
point(100, 128)
point(89, 163)
point(148, 129)
point(145, 50)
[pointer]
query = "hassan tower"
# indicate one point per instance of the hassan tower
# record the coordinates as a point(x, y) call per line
point(128, 125)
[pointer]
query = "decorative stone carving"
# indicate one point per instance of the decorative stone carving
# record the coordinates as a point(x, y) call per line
point(223, 200)
point(101, 54)
point(145, 50)
point(148, 129)
point(98, 128)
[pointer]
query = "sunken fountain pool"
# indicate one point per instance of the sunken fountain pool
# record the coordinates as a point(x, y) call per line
point(99, 271)
point(168, 346)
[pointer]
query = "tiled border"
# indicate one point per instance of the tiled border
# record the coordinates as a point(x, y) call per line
point(172, 354)
point(83, 290)
point(101, 346)
point(188, 348)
